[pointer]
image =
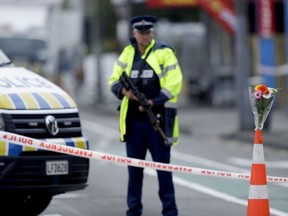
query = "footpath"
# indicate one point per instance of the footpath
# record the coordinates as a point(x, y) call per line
point(224, 123)
point(218, 122)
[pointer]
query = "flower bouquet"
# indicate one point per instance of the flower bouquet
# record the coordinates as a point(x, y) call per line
point(261, 100)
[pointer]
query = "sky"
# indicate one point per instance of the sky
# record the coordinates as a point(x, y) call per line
point(22, 17)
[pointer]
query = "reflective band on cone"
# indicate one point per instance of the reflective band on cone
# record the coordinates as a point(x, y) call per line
point(258, 192)
point(258, 202)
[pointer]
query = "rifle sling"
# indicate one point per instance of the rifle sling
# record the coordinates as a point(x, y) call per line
point(144, 61)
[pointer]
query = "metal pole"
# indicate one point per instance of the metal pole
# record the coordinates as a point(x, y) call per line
point(243, 67)
point(98, 52)
point(286, 43)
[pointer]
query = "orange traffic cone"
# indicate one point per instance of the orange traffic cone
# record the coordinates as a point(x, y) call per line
point(258, 203)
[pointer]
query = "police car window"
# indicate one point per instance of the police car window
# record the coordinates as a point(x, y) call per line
point(4, 60)
point(22, 47)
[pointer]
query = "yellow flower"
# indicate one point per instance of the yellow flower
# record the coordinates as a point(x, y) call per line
point(263, 88)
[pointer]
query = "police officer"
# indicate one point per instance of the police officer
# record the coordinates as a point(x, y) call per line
point(154, 69)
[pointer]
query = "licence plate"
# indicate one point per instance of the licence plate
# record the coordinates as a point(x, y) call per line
point(57, 167)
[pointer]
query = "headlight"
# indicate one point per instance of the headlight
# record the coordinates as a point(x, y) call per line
point(2, 123)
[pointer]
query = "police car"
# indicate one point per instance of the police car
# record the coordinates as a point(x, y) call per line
point(35, 107)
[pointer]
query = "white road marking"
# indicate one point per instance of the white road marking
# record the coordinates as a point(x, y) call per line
point(212, 192)
point(189, 158)
point(69, 195)
point(52, 215)
point(269, 164)
point(98, 128)
point(206, 162)
point(184, 183)
point(107, 134)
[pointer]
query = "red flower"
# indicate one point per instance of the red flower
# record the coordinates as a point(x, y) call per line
point(263, 88)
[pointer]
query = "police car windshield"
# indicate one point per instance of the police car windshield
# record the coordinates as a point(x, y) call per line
point(20, 46)
point(4, 60)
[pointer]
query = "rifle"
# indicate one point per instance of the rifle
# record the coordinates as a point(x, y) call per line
point(143, 101)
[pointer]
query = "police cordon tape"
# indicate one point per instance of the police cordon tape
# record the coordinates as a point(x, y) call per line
point(39, 144)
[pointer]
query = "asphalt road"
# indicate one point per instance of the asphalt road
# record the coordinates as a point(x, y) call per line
point(200, 146)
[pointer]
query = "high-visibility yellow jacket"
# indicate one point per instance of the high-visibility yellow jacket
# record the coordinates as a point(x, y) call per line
point(164, 63)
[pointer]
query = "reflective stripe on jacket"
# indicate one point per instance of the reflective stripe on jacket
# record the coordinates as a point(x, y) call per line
point(164, 62)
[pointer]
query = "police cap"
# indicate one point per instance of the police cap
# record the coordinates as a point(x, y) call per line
point(143, 23)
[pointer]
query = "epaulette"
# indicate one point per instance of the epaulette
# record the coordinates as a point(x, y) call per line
point(161, 45)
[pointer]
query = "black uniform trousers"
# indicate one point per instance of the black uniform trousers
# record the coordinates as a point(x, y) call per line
point(141, 137)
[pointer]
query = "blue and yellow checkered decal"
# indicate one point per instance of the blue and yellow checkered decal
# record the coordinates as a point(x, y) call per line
point(36, 101)
point(11, 149)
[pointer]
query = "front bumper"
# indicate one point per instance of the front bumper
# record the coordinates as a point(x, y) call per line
point(27, 173)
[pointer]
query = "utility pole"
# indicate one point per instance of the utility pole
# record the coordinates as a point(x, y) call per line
point(243, 68)
point(98, 50)
point(286, 42)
